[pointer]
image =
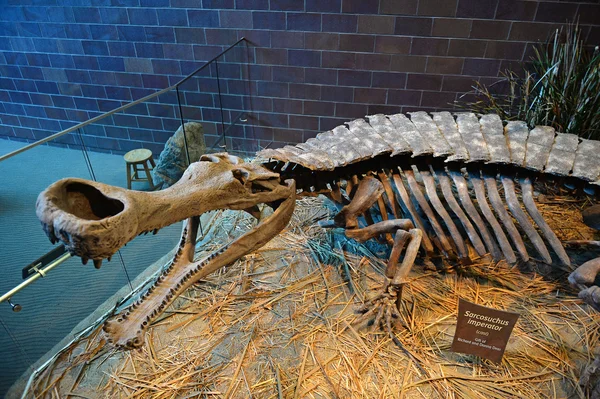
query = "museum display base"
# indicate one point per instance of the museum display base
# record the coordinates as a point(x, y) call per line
point(280, 322)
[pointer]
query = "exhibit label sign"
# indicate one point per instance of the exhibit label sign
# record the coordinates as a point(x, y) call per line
point(482, 331)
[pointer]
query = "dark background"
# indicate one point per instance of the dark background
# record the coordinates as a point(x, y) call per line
point(314, 63)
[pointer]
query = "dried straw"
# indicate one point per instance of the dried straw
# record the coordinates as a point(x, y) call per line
point(278, 324)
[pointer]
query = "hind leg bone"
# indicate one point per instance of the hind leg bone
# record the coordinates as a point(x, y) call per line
point(385, 306)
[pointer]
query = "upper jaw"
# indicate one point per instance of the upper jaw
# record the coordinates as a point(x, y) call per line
point(94, 220)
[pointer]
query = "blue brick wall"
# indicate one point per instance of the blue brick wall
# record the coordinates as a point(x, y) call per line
point(313, 63)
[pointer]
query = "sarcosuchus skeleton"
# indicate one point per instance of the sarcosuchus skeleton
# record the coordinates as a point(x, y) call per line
point(388, 174)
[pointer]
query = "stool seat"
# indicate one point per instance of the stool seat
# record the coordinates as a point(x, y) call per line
point(140, 157)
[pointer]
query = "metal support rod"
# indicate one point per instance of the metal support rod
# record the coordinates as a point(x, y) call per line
point(185, 143)
point(39, 273)
point(221, 105)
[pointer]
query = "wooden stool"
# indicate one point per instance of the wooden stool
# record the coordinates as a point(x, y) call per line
point(139, 158)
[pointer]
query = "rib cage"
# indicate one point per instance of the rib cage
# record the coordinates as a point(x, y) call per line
point(435, 149)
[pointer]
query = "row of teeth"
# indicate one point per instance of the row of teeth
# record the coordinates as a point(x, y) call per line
point(170, 295)
point(97, 262)
point(49, 230)
point(154, 231)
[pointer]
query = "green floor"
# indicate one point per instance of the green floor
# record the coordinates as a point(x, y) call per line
point(52, 306)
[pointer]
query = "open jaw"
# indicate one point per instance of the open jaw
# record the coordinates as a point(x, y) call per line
point(95, 220)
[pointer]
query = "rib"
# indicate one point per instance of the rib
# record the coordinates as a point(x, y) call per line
point(384, 217)
point(492, 190)
point(431, 191)
point(453, 204)
point(465, 199)
point(416, 218)
point(420, 198)
point(389, 193)
point(507, 250)
point(515, 208)
point(527, 193)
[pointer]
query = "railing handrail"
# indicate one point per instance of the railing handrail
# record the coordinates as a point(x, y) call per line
point(119, 109)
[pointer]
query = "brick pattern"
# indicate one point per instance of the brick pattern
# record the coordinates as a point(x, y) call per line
point(311, 64)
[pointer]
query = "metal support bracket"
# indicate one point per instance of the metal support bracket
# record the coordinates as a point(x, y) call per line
point(34, 271)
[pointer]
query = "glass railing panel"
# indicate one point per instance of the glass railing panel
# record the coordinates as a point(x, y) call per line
point(236, 101)
point(55, 304)
point(199, 98)
point(217, 96)
point(144, 126)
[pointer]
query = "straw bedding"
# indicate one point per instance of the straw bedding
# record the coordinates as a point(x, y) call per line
point(279, 324)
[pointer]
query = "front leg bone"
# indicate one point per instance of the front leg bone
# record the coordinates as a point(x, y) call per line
point(368, 191)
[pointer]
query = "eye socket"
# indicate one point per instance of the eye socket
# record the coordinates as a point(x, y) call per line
point(216, 158)
point(87, 202)
point(210, 158)
point(241, 175)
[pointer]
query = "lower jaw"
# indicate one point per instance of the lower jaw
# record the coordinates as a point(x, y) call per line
point(126, 330)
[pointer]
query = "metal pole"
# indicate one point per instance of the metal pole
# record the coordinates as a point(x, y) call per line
point(40, 273)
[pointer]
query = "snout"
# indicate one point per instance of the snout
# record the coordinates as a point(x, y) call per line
point(92, 219)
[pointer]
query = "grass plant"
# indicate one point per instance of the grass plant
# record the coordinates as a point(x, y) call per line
point(560, 87)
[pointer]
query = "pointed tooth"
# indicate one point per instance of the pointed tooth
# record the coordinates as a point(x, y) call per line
point(154, 231)
point(49, 229)
point(84, 261)
point(109, 258)
point(97, 263)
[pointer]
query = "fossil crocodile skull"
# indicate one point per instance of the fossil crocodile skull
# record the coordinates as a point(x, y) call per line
point(94, 220)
